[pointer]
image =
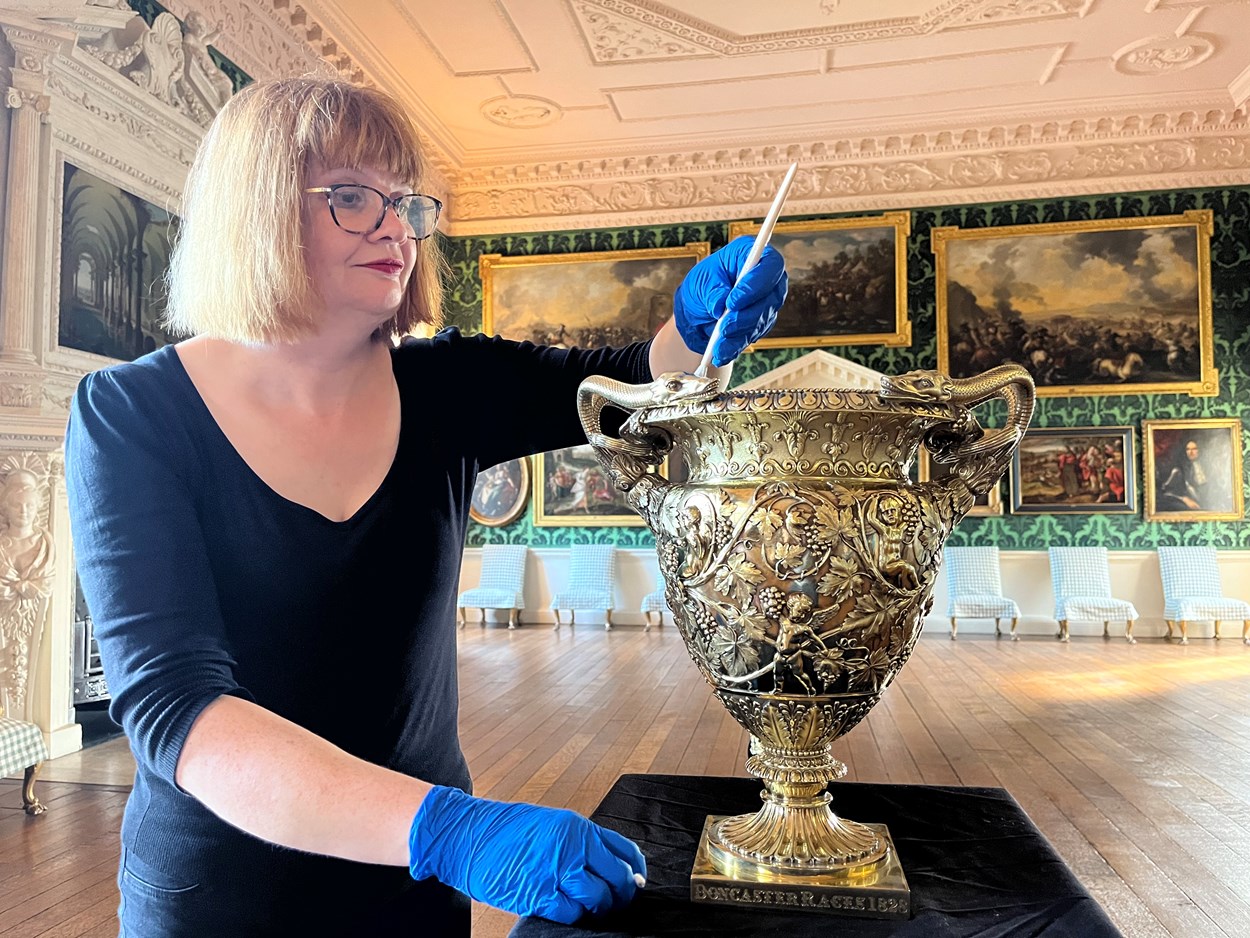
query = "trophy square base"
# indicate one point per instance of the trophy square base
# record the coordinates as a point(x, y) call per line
point(878, 890)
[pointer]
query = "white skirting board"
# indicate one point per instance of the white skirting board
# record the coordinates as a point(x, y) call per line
point(1026, 579)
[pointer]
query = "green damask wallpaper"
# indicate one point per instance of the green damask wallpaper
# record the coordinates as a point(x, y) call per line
point(1230, 281)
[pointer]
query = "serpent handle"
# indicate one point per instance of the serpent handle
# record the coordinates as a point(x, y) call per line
point(980, 458)
point(1014, 385)
point(626, 461)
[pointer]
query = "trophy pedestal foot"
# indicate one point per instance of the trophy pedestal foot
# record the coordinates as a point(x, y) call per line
point(874, 890)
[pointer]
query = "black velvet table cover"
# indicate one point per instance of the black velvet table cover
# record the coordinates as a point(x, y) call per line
point(976, 865)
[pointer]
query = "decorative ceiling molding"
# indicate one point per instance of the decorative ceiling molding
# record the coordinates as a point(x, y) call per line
point(855, 185)
point(636, 30)
point(521, 111)
point(1161, 55)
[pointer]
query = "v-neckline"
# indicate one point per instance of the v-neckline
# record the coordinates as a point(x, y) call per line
point(359, 513)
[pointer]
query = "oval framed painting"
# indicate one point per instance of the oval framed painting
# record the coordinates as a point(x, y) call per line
point(501, 492)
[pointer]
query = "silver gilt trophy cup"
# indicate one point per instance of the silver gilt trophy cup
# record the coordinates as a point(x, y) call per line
point(799, 560)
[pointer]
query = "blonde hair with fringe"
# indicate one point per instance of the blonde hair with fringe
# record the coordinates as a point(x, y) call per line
point(238, 268)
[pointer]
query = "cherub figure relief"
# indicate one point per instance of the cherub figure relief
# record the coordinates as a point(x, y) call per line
point(894, 527)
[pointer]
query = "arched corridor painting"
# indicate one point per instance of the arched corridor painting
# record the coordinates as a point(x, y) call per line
point(114, 253)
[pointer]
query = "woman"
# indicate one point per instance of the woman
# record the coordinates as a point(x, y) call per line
point(268, 519)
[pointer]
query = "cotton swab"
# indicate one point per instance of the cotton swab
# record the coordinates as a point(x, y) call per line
point(753, 258)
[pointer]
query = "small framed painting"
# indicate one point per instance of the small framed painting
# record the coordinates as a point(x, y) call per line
point(1193, 470)
point(501, 492)
point(572, 488)
point(1074, 470)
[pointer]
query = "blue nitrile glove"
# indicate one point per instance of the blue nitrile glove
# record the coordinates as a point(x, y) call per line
point(522, 858)
point(750, 309)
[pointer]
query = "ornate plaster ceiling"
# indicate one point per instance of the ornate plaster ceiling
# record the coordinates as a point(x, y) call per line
point(563, 113)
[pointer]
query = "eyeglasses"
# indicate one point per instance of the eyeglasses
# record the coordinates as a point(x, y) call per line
point(360, 209)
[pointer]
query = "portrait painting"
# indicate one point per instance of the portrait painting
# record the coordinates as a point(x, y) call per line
point(848, 281)
point(1108, 306)
point(1074, 470)
point(1193, 469)
point(572, 488)
point(114, 254)
point(500, 494)
point(585, 300)
point(989, 504)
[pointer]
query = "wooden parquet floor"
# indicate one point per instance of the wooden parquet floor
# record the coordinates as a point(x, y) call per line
point(1133, 760)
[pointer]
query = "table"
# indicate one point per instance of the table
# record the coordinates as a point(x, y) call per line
point(976, 865)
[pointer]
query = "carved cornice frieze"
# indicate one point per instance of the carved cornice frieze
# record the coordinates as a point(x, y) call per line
point(109, 99)
point(921, 144)
point(850, 185)
point(125, 166)
point(33, 49)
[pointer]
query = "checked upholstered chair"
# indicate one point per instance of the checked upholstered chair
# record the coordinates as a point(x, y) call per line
point(1192, 590)
point(592, 583)
point(22, 750)
point(654, 603)
point(1081, 579)
point(502, 585)
point(975, 586)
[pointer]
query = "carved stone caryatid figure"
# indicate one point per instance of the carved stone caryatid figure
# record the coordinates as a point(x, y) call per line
point(26, 557)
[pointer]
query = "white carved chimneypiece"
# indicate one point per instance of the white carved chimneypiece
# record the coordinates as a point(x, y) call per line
point(88, 83)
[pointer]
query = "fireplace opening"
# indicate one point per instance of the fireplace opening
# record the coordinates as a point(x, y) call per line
point(91, 693)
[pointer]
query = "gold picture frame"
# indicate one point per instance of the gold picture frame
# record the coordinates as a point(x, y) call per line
point(501, 493)
point(986, 506)
point(584, 497)
point(878, 255)
point(1193, 469)
point(1075, 470)
point(1068, 300)
point(588, 299)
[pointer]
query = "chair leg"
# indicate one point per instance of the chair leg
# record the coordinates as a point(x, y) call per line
point(1014, 636)
point(483, 622)
point(1217, 630)
point(514, 619)
point(461, 617)
point(1169, 623)
point(647, 618)
point(607, 620)
point(1106, 629)
point(1184, 632)
point(954, 628)
point(1245, 631)
point(1128, 632)
point(998, 628)
point(1063, 631)
point(557, 613)
point(31, 804)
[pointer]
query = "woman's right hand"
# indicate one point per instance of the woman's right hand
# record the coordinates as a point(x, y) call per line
point(523, 858)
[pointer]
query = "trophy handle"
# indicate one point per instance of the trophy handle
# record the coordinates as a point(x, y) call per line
point(982, 462)
point(979, 458)
point(627, 460)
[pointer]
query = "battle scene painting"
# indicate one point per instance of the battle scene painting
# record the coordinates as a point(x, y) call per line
point(848, 281)
point(1110, 306)
point(583, 300)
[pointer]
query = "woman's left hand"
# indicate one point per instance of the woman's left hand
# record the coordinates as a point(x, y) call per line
point(749, 309)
